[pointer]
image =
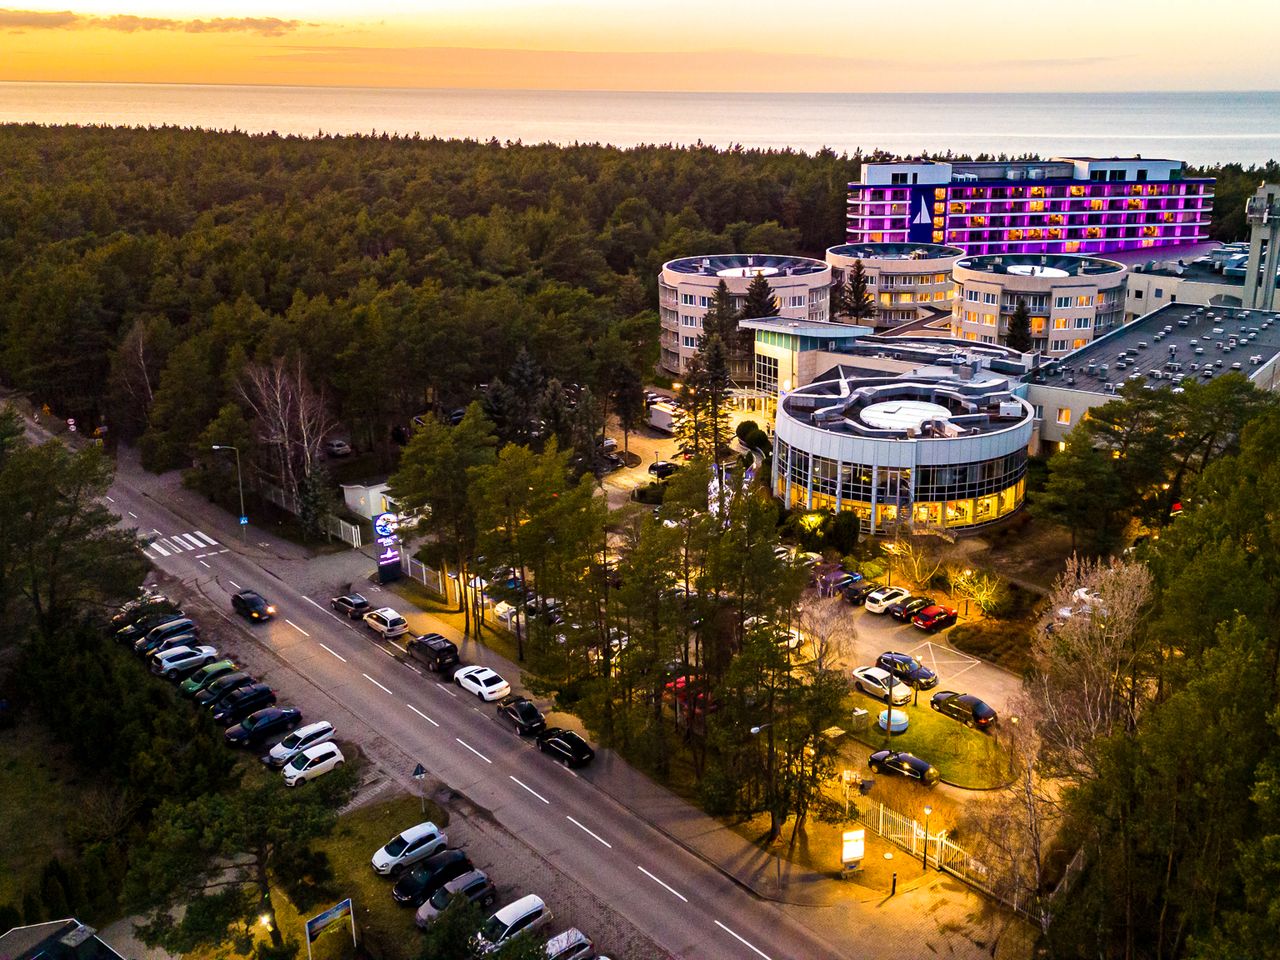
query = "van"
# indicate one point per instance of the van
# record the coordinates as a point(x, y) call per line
point(573, 944)
point(524, 915)
point(434, 652)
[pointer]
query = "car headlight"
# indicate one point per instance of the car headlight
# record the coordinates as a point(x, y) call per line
point(271, 609)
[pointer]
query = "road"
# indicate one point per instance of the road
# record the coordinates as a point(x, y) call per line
point(676, 899)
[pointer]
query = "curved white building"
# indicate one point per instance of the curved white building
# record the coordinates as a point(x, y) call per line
point(909, 281)
point(934, 448)
point(1072, 300)
point(801, 285)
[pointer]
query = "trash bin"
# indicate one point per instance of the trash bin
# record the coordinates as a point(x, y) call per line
point(861, 719)
point(865, 786)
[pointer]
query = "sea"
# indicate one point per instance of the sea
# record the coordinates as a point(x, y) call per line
point(1198, 127)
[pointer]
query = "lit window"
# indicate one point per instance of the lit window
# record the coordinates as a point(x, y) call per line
point(1059, 323)
point(939, 193)
point(1097, 203)
point(1064, 416)
point(1078, 343)
point(1036, 206)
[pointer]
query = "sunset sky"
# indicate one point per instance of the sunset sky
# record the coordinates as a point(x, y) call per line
point(748, 45)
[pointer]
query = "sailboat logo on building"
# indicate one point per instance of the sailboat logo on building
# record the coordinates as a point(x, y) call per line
point(923, 216)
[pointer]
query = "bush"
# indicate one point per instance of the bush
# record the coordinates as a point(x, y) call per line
point(745, 428)
point(650, 493)
point(1003, 642)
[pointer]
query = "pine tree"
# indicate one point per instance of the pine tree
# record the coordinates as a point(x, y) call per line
point(838, 297)
point(858, 302)
point(315, 501)
point(721, 319)
point(1019, 334)
point(760, 301)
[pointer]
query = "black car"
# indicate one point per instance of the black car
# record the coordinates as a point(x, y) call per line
point(135, 631)
point(858, 592)
point(238, 704)
point(907, 607)
point(266, 724)
point(351, 605)
point(908, 669)
point(136, 610)
point(522, 715)
point(181, 627)
point(222, 686)
point(964, 707)
point(904, 765)
point(252, 606)
point(434, 652)
point(566, 746)
point(663, 469)
point(415, 887)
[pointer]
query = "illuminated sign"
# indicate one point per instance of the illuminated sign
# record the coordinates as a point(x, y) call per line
point(384, 524)
point(853, 846)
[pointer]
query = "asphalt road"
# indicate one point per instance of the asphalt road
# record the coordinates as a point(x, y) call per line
point(687, 907)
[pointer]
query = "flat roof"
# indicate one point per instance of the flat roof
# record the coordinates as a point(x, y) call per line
point(807, 328)
point(1174, 346)
point(745, 264)
point(896, 251)
point(1044, 264)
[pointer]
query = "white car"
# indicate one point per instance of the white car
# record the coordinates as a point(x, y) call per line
point(483, 682)
point(387, 622)
point(311, 763)
point(524, 915)
point(875, 682)
point(402, 850)
point(789, 637)
point(337, 448)
point(882, 599)
point(311, 735)
point(180, 661)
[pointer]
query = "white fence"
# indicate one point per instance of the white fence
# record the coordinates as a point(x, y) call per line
point(430, 578)
point(344, 530)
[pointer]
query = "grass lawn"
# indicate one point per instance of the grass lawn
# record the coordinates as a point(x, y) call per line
point(964, 757)
point(39, 796)
point(499, 638)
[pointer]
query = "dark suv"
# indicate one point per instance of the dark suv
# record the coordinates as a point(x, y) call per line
point(908, 669)
point(434, 652)
point(240, 703)
point(858, 592)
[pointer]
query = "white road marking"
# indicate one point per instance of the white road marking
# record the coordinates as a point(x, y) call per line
point(421, 714)
point(132, 514)
point(449, 692)
point(660, 883)
point(338, 655)
point(234, 584)
point(201, 556)
point(191, 538)
point(323, 609)
point(108, 496)
point(291, 623)
point(533, 791)
point(159, 549)
point(473, 750)
point(206, 566)
point(206, 538)
point(223, 551)
point(745, 943)
point(589, 833)
point(178, 545)
point(376, 683)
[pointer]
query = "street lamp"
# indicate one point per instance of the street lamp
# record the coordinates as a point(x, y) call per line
point(924, 854)
point(239, 483)
point(967, 589)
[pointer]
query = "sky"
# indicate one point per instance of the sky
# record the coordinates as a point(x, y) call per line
point(695, 45)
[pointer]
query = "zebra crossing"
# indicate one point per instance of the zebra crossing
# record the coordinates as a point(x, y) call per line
point(166, 545)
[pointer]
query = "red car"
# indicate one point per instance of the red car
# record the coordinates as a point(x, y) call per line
point(934, 617)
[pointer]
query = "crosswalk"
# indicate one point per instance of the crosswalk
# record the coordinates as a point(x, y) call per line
point(198, 542)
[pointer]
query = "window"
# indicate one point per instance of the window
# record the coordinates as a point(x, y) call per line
point(704, 301)
point(688, 299)
point(1142, 174)
point(1039, 412)
point(1060, 323)
point(689, 343)
point(1078, 343)
point(990, 298)
point(1082, 323)
point(1137, 294)
point(1057, 346)
point(971, 295)
point(766, 374)
point(1064, 416)
point(797, 301)
point(897, 179)
point(1158, 292)
point(989, 319)
point(686, 320)
point(1061, 302)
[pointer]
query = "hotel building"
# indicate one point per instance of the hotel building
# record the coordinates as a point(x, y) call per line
point(909, 281)
point(1071, 300)
point(1063, 205)
point(686, 287)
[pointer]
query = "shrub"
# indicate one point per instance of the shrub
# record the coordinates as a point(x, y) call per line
point(745, 428)
point(650, 493)
point(1003, 642)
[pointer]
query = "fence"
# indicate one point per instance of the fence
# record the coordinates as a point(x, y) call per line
point(430, 578)
point(346, 531)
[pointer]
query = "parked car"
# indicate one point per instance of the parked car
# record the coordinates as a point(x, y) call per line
point(434, 652)
point(311, 735)
point(180, 661)
point(907, 669)
point(879, 601)
point(170, 643)
point(148, 605)
point(474, 885)
point(662, 469)
point(263, 725)
point(205, 676)
point(520, 712)
point(565, 746)
point(934, 617)
point(907, 608)
point(311, 763)
point(337, 448)
point(170, 628)
point(964, 707)
point(837, 581)
point(387, 622)
point(408, 847)
point(351, 605)
point(607, 445)
point(416, 885)
point(523, 916)
point(904, 764)
point(877, 682)
point(857, 593)
point(572, 944)
point(219, 688)
point(483, 682)
point(238, 704)
point(141, 627)
point(252, 606)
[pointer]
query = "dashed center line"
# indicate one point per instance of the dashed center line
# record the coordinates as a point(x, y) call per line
point(206, 566)
point(291, 623)
point(473, 750)
point(338, 655)
point(376, 683)
point(531, 790)
point(132, 514)
point(109, 498)
point(661, 883)
point(323, 609)
point(590, 833)
point(745, 943)
point(449, 692)
point(422, 715)
point(236, 585)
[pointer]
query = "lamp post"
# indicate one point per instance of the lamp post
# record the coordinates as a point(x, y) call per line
point(967, 574)
point(777, 857)
point(239, 483)
point(924, 854)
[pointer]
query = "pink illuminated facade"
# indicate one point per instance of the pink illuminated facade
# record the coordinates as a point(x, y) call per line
point(1064, 205)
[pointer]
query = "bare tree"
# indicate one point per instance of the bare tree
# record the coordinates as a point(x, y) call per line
point(829, 633)
point(984, 589)
point(292, 417)
point(918, 557)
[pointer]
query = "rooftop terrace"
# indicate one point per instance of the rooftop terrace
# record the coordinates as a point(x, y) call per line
point(1041, 264)
point(746, 265)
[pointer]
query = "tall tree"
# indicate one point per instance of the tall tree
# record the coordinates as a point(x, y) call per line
point(859, 304)
point(759, 301)
point(1082, 493)
point(1018, 336)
